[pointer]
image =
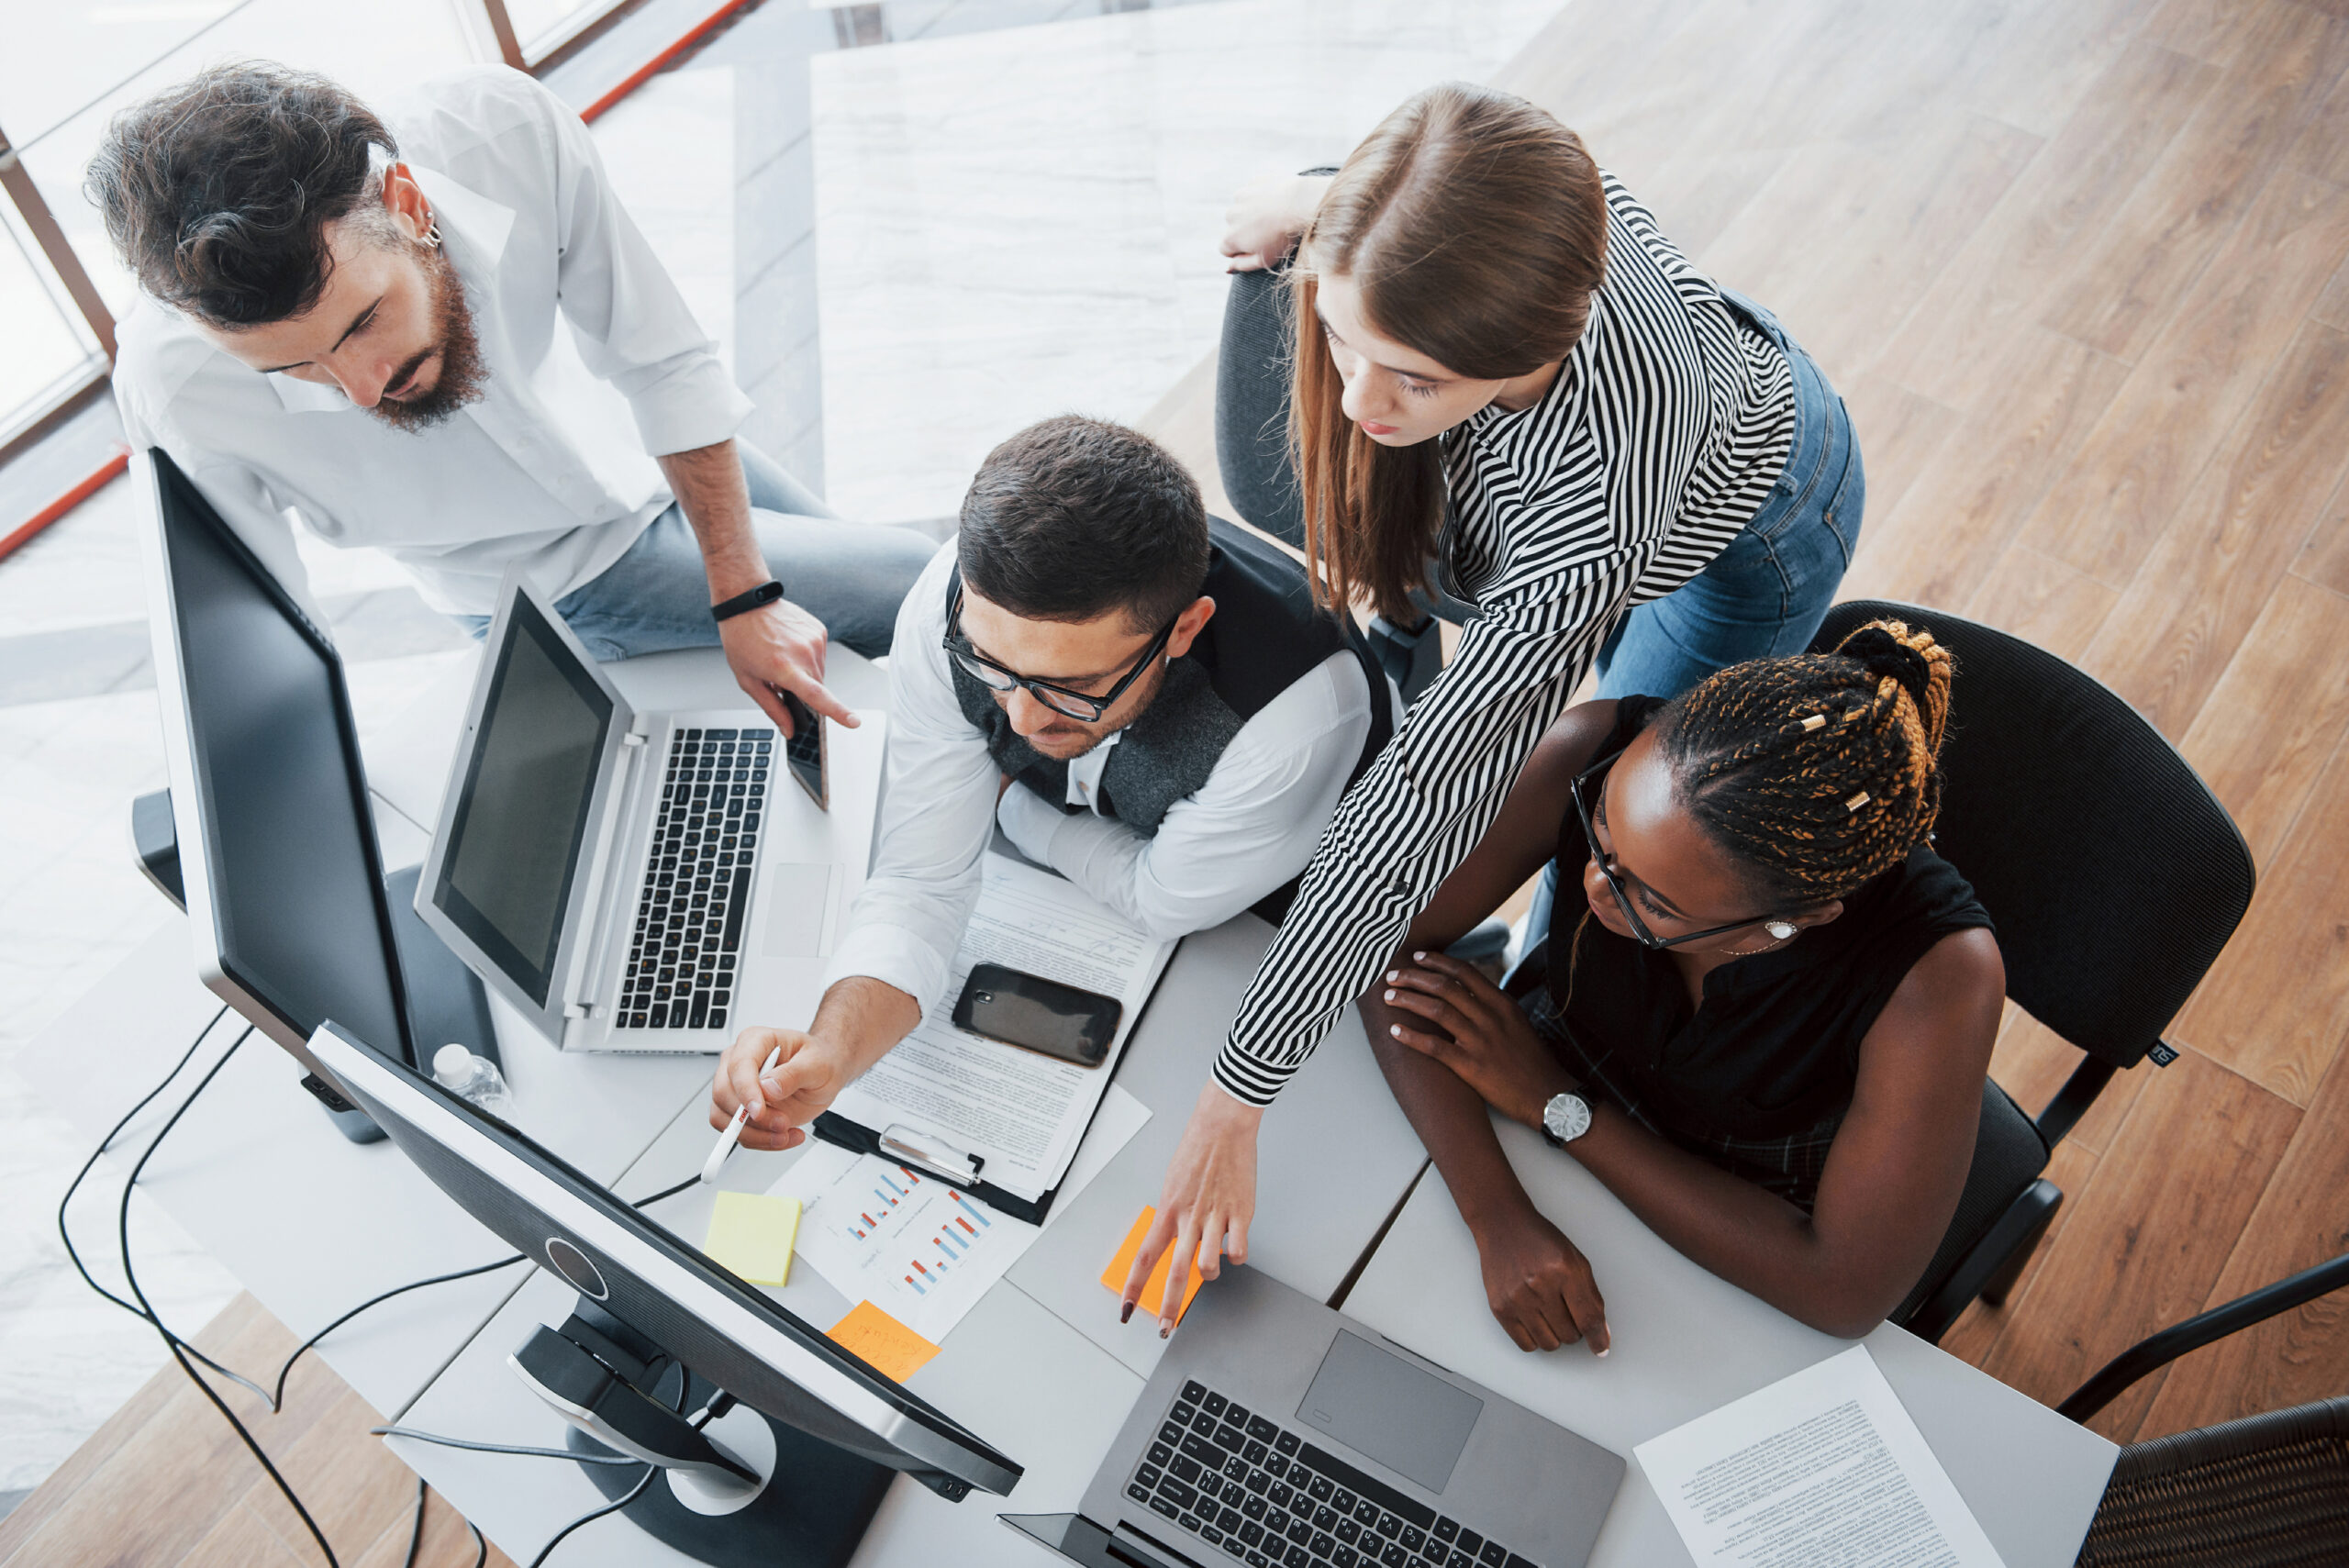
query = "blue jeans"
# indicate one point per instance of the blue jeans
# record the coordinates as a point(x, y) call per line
point(850, 576)
point(1766, 593)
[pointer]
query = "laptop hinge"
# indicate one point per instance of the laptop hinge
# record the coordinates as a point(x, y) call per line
point(600, 916)
point(1128, 1544)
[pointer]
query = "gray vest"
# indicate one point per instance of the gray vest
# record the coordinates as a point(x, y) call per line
point(1264, 637)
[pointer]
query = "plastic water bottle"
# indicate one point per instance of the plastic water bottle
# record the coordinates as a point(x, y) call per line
point(473, 1078)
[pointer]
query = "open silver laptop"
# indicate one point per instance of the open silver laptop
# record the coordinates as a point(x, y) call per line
point(632, 880)
point(1277, 1434)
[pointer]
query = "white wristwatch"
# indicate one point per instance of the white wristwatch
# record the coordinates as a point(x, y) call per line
point(1565, 1119)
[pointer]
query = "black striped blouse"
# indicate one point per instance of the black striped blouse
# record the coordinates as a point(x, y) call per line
point(1660, 438)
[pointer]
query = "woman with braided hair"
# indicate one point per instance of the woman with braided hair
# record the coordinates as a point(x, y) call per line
point(1767, 1028)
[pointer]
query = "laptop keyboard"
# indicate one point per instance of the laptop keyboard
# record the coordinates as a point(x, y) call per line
point(697, 885)
point(1269, 1498)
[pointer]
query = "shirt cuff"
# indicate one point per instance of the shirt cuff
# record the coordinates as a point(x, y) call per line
point(1029, 822)
point(1248, 1080)
point(693, 405)
point(893, 956)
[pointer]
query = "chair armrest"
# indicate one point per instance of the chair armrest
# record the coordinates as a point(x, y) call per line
point(2157, 1351)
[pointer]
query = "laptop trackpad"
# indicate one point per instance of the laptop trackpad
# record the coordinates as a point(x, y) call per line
point(1376, 1403)
point(796, 910)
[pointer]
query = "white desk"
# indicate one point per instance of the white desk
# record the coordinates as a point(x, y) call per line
point(1686, 1342)
point(1042, 1370)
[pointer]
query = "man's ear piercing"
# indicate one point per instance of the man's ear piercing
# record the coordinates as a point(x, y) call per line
point(1780, 930)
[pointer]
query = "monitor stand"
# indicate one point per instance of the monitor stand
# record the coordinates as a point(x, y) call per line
point(814, 1500)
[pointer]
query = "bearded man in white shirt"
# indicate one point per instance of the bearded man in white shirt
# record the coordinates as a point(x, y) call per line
point(354, 320)
point(1142, 698)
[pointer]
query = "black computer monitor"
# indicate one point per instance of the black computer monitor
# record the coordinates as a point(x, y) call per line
point(840, 1427)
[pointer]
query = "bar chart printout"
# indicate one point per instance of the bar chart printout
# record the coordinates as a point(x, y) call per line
point(917, 1249)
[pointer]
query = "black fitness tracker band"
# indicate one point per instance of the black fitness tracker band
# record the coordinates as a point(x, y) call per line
point(765, 594)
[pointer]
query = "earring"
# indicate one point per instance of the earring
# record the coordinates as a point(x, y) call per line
point(1780, 930)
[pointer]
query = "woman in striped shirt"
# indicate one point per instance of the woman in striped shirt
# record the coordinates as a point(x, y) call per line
point(1505, 370)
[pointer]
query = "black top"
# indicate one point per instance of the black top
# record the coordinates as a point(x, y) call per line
point(1774, 1048)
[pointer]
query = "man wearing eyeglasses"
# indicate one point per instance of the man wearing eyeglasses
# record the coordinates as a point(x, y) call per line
point(1143, 699)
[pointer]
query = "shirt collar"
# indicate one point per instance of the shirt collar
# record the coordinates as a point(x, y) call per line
point(473, 230)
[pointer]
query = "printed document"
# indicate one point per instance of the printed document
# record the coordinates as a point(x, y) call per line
point(1822, 1467)
point(919, 1250)
point(1022, 1111)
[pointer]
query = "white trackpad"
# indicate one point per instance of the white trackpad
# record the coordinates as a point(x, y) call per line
point(799, 909)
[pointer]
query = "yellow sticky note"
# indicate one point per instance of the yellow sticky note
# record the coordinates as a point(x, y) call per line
point(751, 1234)
point(1153, 1289)
point(891, 1349)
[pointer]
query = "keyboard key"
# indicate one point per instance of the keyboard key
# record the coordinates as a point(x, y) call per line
point(1322, 1489)
point(1413, 1540)
point(1184, 1466)
point(1251, 1531)
point(1326, 1518)
point(1286, 1443)
point(1459, 1560)
point(1280, 1495)
point(1149, 1476)
point(1343, 1557)
point(1517, 1562)
point(1254, 1453)
point(1230, 1438)
point(1232, 1544)
point(1164, 1506)
point(1295, 1558)
point(1209, 1534)
point(1300, 1530)
point(1471, 1543)
point(1258, 1481)
point(1347, 1530)
point(1345, 1501)
point(1182, 1497)
point(1229, 1520)
point(1320, 1545)
point(1390, 1526)
point(1446, 1529)
point(1213, 1404)
point(1258, 1560)
point(1139, 1494)
point(1264, 1431)
point(1236, 1468)
point(1236, 1414)
point(1392, 1556)
point(1493, 1554)
point(1367, 1511)
point(1198, 1448)
point(1189, 1522)
point(1203, 1423)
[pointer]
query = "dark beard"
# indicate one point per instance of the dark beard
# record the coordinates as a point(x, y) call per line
point(462, 371)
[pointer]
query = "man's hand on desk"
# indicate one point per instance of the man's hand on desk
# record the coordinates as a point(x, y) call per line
point(860, 1020)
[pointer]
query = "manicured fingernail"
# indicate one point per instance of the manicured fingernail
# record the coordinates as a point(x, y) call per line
point(1394, 1030)
point(1390, 995)
point(1392, 976)
point(1126, 1313)
point(1602, 1355)
point(1165, 1326)
point(1418, 958)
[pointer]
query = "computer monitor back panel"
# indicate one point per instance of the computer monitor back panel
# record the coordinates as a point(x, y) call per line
point(269, 797)
point(718, 1327)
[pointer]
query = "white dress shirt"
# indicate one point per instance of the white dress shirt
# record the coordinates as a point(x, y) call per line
point(553, 466)
point(1249, 828)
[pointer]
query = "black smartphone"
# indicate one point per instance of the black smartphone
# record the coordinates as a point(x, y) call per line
point(1044, 1015)
point(803, 754)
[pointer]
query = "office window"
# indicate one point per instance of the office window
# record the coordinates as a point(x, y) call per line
point(53, 353)
point(542, 27)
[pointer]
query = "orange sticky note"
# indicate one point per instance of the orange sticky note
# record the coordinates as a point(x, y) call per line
point(886, 1345)
point(1153, 1289)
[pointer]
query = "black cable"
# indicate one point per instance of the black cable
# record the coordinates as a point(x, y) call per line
point(411, 1433)
point(633, 1494)
point(303, 1348)
point(480, 1545)
point(416, 1530)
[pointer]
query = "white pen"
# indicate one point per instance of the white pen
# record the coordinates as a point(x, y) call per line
point(733, 1134)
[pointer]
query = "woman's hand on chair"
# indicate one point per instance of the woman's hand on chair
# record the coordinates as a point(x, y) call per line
point(1477, 1031)
point(1268, 215)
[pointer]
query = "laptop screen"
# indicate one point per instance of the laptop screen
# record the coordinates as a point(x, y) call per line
point(521, 815)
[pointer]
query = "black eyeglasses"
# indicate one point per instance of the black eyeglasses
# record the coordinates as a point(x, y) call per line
point(1606, 864)
point(1069, 703)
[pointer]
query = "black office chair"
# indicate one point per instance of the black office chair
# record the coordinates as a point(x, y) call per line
point(1252, 452)
point(2268, 1491)
point(2114, 876)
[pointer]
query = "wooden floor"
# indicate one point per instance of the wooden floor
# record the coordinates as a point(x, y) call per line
point(2079, 268)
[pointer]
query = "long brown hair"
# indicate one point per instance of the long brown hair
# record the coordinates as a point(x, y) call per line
point(1474, 226)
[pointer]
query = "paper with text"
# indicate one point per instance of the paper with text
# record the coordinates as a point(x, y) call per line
point(917, 1249)
point(1825, 1466)
point(1024, 1113)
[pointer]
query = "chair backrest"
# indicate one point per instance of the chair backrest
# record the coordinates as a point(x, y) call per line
point(1251, 406)
point(2113, 874)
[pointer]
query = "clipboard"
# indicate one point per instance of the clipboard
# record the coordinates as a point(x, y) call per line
point(937, 1158)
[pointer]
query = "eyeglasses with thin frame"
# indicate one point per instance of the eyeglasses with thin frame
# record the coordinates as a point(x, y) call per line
point(1066, 701)
point(1594, 776)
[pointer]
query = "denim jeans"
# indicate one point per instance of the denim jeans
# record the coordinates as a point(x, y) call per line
point(1768, 592)
point(850, 576)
